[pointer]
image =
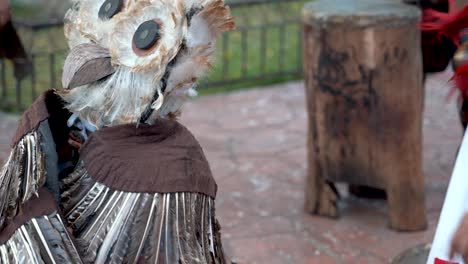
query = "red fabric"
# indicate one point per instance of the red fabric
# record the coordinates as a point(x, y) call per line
point(447, 24)
point(439, 261)
point(437, 48)
point(460, 79)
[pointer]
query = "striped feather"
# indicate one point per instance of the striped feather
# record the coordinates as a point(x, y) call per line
point(4, 254)
point(121, 227)
point(150, 238)
point(121, 247)
point(52, 240)
point(97, 232)
point(77, 216)
point(31, 248)
point(67, 241)
point(21, 177)
point(116, 228)
point(41, 240)
point(73, 193)
point(137, 231)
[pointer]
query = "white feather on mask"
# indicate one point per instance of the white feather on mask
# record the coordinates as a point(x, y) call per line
point(124, 96)
point(194, 63)
point(92, 26)
point(170, 14)
point(72, 33)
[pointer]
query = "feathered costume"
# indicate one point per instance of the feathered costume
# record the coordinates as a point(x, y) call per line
point(101, 172)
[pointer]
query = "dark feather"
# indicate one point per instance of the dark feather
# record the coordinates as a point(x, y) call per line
point(117, 227)
point(120, 249)
point(138, 228)
point(55, 240)
point(73, 191)
point(149, 242)
point(80, 213)
point(100, 226)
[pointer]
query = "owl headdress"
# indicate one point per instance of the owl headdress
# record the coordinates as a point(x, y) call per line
point(133, 61)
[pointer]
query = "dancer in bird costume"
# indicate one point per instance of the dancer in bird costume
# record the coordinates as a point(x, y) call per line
point(100, 171)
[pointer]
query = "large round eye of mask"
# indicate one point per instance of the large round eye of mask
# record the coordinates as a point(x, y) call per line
point(110, 8)
point(147, 35)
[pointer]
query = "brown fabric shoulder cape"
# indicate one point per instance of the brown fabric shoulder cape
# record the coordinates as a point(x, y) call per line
point(36, 113)
point(40, 205)
point(160, 158)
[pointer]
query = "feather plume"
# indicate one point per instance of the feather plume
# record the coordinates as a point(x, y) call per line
point(120, 99)
point(447, 24)
point(71, 31)
point(193, 63)
point(196, 4)
point(217, 17)
point(460, 80)
point(190, 67)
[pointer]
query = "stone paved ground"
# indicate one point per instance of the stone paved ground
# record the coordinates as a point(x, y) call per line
point(255, 141)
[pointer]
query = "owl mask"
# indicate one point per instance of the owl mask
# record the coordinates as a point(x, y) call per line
point(132, 61)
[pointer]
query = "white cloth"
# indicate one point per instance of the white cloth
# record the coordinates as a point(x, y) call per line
point(455, 206)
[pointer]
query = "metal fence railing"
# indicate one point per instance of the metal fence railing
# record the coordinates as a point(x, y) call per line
point(264, 48)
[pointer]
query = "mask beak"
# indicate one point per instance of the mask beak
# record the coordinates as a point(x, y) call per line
point(86, 63)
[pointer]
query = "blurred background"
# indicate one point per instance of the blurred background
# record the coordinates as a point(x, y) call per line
point(264, 49)
point(251, 119)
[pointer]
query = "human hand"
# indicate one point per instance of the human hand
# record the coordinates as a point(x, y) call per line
point(460, 240)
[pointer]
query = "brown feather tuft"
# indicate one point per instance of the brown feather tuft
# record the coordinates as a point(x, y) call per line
point(218, 16)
